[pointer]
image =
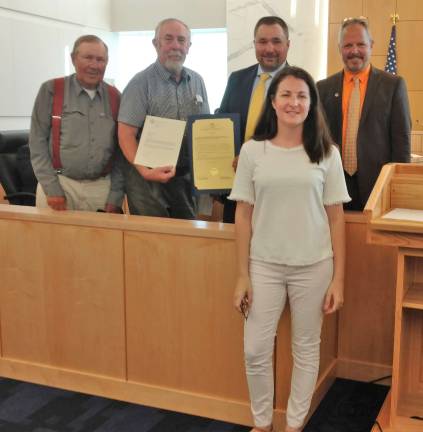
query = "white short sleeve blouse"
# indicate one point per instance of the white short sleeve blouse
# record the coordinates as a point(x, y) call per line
point(289, 194)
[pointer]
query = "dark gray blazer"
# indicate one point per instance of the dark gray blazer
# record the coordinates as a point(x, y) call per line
point(385, 123)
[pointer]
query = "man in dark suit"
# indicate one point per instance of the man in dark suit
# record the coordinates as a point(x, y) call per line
point(381, 131)
point(271, 43)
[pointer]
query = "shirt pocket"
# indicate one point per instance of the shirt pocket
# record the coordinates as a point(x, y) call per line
point(105, 130)
point(73, 128)
point(104, 133)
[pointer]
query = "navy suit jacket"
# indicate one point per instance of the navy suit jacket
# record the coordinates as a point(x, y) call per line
point(238, 93)
point(384, 128)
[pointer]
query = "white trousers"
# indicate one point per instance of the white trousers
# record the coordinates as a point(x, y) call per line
point(88, 195)
point(305, 287)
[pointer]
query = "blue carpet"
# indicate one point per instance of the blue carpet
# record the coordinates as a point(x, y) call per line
point(28, 407)
point(349, 406)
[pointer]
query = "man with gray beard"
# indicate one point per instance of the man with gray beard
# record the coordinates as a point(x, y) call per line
point(170, 90)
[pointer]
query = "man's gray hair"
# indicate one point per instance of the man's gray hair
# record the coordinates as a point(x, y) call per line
point(354, 21)
point(89, 39)
point(167, 20)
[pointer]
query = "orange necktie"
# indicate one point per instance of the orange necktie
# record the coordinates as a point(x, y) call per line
point(353, 120)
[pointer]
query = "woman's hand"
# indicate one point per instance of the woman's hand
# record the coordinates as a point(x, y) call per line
point(243, 292)
point(334, 299)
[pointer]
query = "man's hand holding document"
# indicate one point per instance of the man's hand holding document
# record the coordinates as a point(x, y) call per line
point(159, 148)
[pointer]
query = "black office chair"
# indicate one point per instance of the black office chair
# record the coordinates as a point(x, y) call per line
point(16, 174)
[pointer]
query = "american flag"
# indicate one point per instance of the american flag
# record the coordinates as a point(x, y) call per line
point(391, 59)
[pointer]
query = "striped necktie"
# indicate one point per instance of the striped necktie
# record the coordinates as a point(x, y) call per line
point(353, 120)
point(256, 105)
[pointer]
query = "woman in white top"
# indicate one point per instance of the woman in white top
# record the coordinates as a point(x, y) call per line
point(289, 223)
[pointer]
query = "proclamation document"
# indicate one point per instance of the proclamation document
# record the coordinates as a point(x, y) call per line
point(214, 145)
point(160, 142)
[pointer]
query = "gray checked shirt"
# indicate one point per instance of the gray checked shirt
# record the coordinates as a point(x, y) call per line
point(154, 91)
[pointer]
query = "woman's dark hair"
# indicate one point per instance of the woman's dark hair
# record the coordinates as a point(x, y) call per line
point(316, 136)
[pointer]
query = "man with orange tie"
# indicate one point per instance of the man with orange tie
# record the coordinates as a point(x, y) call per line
point(367, 111)
point(246, 88)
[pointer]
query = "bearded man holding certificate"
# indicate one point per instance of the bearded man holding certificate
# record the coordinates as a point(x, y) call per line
point(169, 90)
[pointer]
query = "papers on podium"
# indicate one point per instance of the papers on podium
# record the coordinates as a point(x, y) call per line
point(160, 142)
point(414, 215)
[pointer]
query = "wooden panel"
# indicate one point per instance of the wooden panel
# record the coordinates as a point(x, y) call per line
point(2, 194)
point(417, 142)
point(408, 170)
point(334, 58)
point(410, 10)
point(407, 377)
point(416, 108)
point(383, 418)
point(410, 53)
point(406, 195)
point(62, 296)
point(183, 331)
point(360, 370)
point(405, 424)
point(378, 13)
point(380, 199)
point(379, 61)
point(369, 299)
point(340, 9)
point(410, 397)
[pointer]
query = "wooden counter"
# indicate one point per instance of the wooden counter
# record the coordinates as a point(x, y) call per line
point(140, 309)
point(366, 322)
point(132, 308)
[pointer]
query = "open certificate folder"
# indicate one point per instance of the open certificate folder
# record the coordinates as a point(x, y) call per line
point(213, 142)
point(160, 142)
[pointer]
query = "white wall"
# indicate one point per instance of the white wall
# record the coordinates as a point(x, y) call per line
point(35, 36)
point(136, 15)
point(88, 13)
point(307, 21)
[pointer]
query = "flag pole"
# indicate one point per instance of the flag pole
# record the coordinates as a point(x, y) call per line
point(391, 59)
point(394, 18)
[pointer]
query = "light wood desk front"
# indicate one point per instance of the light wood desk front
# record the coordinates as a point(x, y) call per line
point(133, 308)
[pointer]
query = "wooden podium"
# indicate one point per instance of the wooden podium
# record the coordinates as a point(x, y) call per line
point(400, 187)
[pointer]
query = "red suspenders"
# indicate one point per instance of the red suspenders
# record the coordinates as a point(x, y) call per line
point(56, 116)
point(56, 119)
